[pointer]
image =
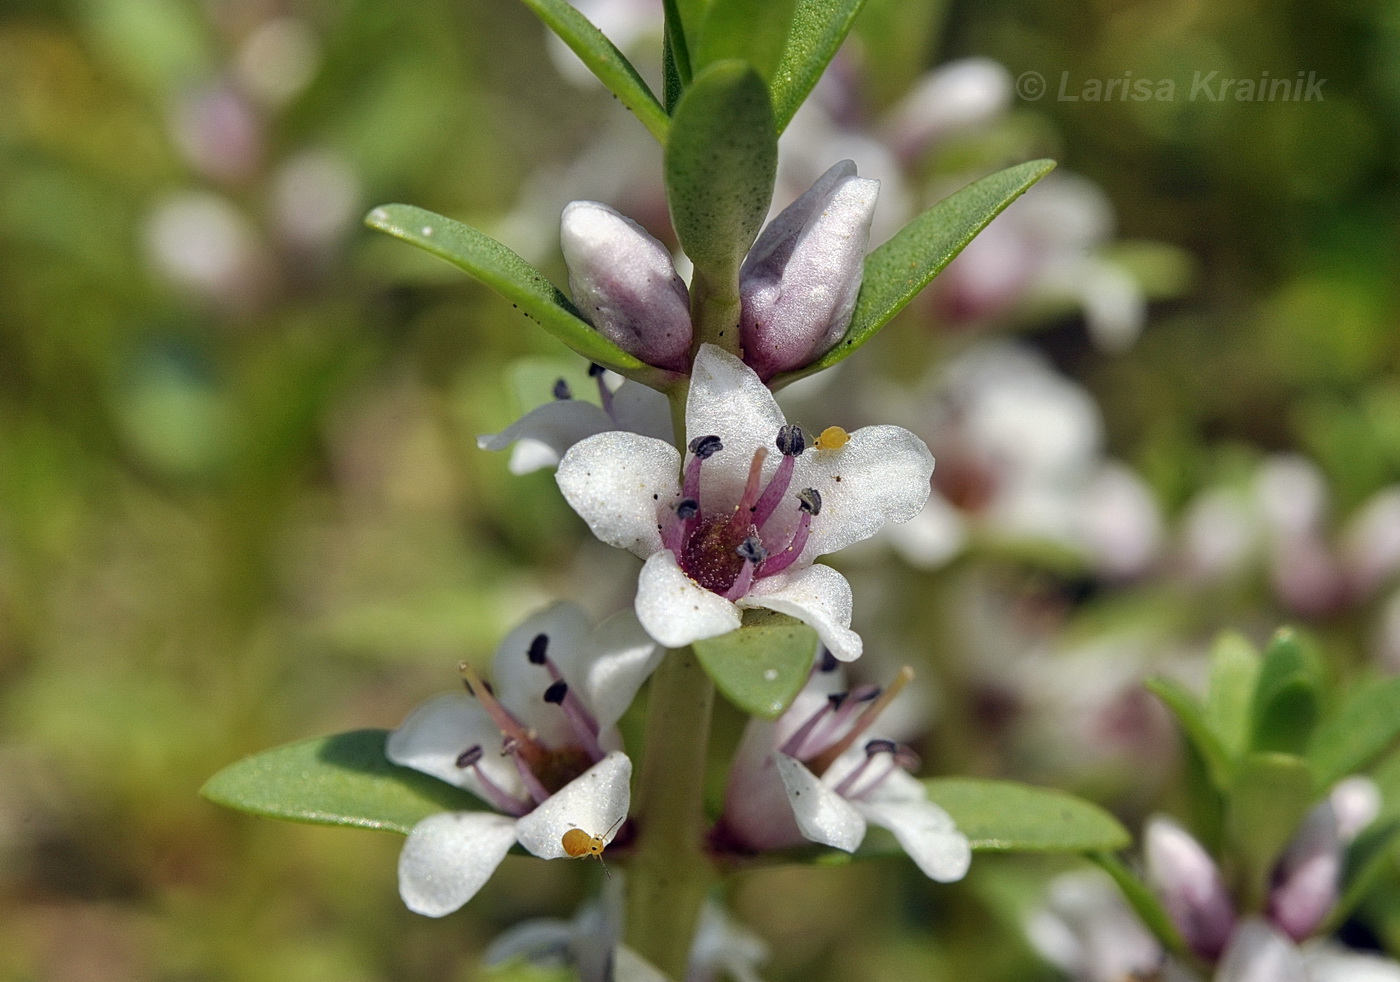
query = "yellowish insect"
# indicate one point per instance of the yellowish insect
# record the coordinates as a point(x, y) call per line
point(578, 844)
point(833, 438)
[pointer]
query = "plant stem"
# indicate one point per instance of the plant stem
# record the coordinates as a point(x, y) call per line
point(670, 874)
point(714, 308)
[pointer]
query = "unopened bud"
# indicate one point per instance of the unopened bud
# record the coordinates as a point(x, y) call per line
point(1190, 886)
point(798, 284)
point(623, 281)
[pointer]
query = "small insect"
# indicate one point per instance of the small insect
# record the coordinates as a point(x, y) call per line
point(578, 844)
point(832, 438)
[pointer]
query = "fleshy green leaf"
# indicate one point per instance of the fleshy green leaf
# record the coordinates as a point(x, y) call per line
point(605, 61)
point(1191, 716)
point(818, 28)
point(513, 278)
point(343, 779)
point(1368, 857)
point(1286, 697)
point(1003, 816)
point(1367, 723)
point(1234, 671)
point(721, 161)
point(899, 269)
point(1143, 901)
point(1269, 796)
point(749, 31)
point(762, 666)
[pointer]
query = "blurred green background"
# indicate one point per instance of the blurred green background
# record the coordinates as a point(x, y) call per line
point(240, 500)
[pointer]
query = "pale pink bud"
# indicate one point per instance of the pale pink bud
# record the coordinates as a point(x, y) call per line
point(798, 284)
point(624, 282)
point(1189, 884)
point(1306, 878)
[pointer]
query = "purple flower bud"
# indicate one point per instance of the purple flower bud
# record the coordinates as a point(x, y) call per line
point(625, 284)
point(1306, 879)
point(1189, 884)
point(798, 284)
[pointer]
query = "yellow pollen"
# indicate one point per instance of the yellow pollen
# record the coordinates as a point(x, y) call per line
point(832, 438)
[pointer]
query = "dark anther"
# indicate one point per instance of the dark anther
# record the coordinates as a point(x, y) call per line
point(752, 550)
point(791, 440)
point(836, 699)
point(706, 447)
point(556, 692)
point(810, 500)
point(873, 747)
point(828, 662)
point(561, 389)
point(595, 369)
point(687, 508)
point(538, 649)
point(906, 758)
point(469, 756)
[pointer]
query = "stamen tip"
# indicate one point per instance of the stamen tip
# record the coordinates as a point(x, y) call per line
point(538, 650)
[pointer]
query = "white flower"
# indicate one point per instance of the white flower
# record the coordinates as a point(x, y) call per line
point(544, 434)
point(737, 529)
point(809, 776)
point(535, 748)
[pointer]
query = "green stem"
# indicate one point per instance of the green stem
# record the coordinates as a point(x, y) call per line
point(670, 874)
point(714, 308)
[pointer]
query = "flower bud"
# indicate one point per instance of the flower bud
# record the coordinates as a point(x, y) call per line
point(798, 284)
point(1307, 877)
point(623, 281)
point(1189, 884)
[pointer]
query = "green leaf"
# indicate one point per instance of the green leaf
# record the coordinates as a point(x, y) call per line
point(1143, 901)
point(899, 269)
point(1234, 671)
point(763, 665)
point(513, 278)
point(1368, 857)
point(721, 161)
point(1286, 697)
point(1367, 723)
point(1269, 796)
point(1003, 816)
point(818, 28)
point(1190, 714)
point(343, 779)
point(605, 61)
point(749, 31)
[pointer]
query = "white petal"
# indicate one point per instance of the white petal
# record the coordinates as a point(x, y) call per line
point(618, 483)
point(1328, 962)
point(551, 429)
point(881, 475)
point(756, 806)
point(436, 733)
point(817, 595)
point(1258, 953)
point(538, 940)
point(596, 801)
point(449, 856)
point(621, 656)
point(728, 400)
point(641, 409)
point(675, 610)
point(520, 685)
point(927, 833)
point(822, 814)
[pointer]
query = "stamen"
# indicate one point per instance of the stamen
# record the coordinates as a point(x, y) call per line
point(828, 662)
point(753, 553)
point(781, 561)
point(516, 751)
point(562, 390)
point(539, 648)
point(822, 761)
point(791, 442)
point(792, 746)
point(595, 370)
point(493, 792)
point(873, 749)
point(845, 706)
point(605, 394)
point(676, 533)
point(585, 727)
point(509, 726)
point(901, 759)
point(749, 499)
point(701, 448)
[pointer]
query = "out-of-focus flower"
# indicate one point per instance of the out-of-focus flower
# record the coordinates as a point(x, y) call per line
point(1087, 931)
point(539, 748)
point(315, 199)
point(1189, 883)
point(816, 774)
point(735, 529)
point(218, 132)
point(200, 242)
point(1021, 460)
point(543, 435)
